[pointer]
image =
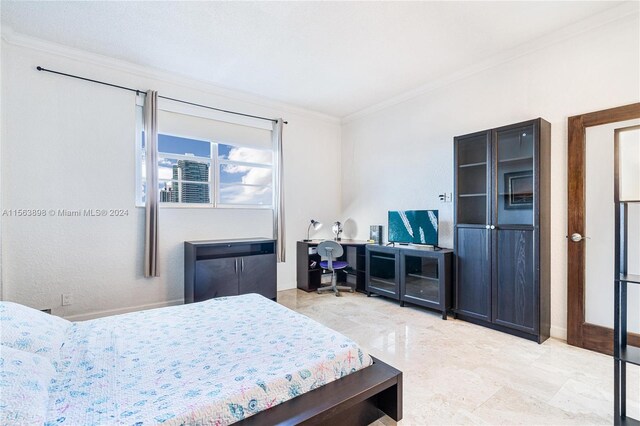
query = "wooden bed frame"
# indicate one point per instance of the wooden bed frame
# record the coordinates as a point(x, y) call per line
point(357, 399)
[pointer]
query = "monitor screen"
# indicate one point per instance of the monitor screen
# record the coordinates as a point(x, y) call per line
point(414, 227)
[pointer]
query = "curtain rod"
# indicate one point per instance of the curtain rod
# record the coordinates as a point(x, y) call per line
point(142, 92)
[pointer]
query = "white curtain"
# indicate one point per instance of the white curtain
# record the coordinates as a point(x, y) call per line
point(278, 192)
point(151, 204)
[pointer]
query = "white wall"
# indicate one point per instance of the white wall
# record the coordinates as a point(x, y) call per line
point(401, 157)
point(69, 144)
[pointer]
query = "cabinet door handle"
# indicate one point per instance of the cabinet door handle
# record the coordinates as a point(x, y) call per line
point(493, 227)
point(235, 266)
point(487, 226)
point(242, 265)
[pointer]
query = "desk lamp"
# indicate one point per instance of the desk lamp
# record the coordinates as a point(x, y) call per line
point(316, 225)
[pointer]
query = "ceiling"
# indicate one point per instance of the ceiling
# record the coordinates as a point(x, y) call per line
point(332, 57)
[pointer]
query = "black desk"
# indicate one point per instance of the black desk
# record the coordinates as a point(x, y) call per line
point(309, 272)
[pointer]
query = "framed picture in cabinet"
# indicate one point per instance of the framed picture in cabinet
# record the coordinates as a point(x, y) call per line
point(518, 189)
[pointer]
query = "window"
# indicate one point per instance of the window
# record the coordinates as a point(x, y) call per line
point(196, 172)
point(184, 170)
point(245, 175)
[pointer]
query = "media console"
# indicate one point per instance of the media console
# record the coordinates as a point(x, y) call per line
point(219, 268)
point(409, 274)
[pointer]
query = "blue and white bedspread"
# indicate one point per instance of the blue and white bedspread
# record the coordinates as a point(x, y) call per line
point(214, 362)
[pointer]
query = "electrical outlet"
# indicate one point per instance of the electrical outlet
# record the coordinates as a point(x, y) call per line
point(446, 197)
point(67, 299)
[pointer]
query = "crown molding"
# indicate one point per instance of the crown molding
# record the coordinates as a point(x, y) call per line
point(25, 41)
point(626, 10)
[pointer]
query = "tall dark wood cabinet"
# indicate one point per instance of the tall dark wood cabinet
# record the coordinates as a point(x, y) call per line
point(502, 208)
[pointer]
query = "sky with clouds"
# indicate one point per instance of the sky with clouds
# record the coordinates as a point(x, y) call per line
point(234, 178)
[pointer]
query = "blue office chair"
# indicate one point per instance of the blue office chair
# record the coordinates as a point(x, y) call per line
point(332, 251)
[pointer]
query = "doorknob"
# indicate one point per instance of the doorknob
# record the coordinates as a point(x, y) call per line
point(576, 237)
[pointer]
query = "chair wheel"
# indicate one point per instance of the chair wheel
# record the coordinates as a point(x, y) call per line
point(351, 291)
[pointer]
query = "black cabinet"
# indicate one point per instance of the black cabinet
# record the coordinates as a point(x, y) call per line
point(515, 285)
point(383, 271)
point(253, 271)
point(473, 274)
point(501, 237)
point(214, 278)
point(425, 278)
point(228, 268)
point(411, 275)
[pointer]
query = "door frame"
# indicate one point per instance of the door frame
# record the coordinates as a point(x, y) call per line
point(579, 332)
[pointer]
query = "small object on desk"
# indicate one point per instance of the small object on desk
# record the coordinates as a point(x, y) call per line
point(316, 225)
point(337, 230)
point(375, 234)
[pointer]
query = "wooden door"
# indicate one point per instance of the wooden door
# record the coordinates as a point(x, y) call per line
point(258, 275)
point(216, 278)
point(579, 332)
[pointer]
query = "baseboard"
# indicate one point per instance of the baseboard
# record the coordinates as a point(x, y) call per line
point(287, 286)
point(109, 312)
point(558, 333)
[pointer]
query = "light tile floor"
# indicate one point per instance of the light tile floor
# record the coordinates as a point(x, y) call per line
point(455, 372)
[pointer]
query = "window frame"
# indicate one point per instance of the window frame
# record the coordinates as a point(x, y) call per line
point(214, 181)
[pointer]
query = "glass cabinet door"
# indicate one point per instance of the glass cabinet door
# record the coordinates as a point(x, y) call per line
point(472, 180)
point(515, 179)
point(382, 272)
point(421, 278)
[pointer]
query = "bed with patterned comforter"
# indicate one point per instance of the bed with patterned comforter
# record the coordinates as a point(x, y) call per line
point(213, 362)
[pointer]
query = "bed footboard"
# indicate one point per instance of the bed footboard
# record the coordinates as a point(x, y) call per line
point(357, 399)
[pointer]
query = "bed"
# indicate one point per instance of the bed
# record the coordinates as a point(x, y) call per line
point(239, 359)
